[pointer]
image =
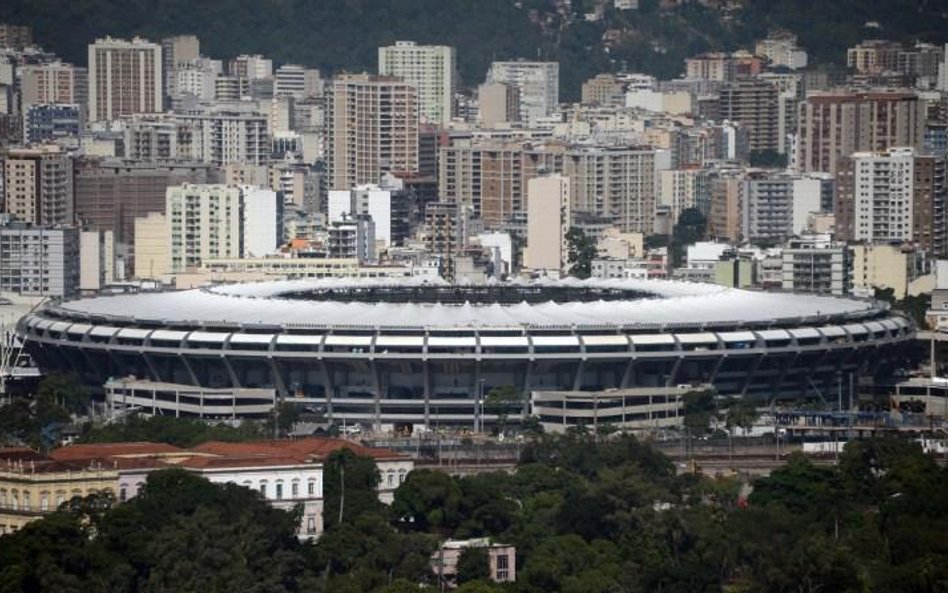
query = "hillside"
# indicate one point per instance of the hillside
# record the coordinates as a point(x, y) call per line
point(344, 34)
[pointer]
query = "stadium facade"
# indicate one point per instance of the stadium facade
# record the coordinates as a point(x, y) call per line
point(383, 351)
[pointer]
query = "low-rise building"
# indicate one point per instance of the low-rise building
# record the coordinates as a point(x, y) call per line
point(817, 264)
point(33, 485)
point(286, 473)
point(502, 560)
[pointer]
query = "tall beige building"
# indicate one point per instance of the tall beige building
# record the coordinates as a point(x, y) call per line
point(373, 123)
point(491, 178)
point(38, 185)
point(497, 103)
point(431, 69)
point(832, 126)
point(724, 218)
point(548, 221)
point(152, 251)
point(54, 82)
point(125, 77)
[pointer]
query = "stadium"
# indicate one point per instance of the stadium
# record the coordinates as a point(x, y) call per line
point(382, 352)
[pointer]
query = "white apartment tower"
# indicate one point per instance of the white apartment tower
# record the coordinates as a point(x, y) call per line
point(538, 82)
point(548, 221)
point(204, 221)
point(431, 69)
point(884, 195)
point(365, 200)
point(125, 77)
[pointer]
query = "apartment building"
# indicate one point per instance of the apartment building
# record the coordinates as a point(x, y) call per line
point(834, 125)
point(548, 220)
point(112, 193)
point(754, 103)
point(125, 77)
point(538, 83)
point(818, 265)
point(38, 185)
point(892, 196)
point(53, 83)
point(491, 178)
point(431, 69)
point(373, 128)
point(39, 261)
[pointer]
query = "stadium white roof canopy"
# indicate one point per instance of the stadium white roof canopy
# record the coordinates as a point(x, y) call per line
point(673, 303)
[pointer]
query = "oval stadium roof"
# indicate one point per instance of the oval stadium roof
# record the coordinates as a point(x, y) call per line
point(670, 303)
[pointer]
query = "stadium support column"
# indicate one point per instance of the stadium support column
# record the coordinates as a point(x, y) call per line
point(750, 374)
point(527, 385)
point(717, 368)
point(629, 375)
point(578, 377)
point(156, 376)
point(670, 380)
point(234, 380)
point(426, 377)
point(377, 388)
point(783, 374)
point(329, 386)
point(278, 381)
point(190, 370)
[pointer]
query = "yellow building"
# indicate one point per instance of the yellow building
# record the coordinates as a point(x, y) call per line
point(33, 485)
point(884, 266)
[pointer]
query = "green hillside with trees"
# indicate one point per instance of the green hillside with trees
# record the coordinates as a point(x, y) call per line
point(345, 34)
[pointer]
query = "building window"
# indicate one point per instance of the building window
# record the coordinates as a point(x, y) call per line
point(503, 567)
point(263, 489)
point(123, 494)
point(311, 488)
point(44, 502)
point(295, 489)
point(391, 478)
point(279, 491)
point(311, 524)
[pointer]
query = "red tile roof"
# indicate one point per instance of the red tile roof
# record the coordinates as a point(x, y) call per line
point(115, 450)
point(242, 461)
point(312, 447)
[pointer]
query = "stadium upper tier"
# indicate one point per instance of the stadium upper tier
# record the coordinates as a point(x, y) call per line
point(413, 304)
point(381, 352)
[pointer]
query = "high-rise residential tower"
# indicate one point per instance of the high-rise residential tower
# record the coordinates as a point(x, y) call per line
point(38, 185)
point(832, 126)
point(431, 69)
point(373, 123)
point(538, 82)
point(125, 77)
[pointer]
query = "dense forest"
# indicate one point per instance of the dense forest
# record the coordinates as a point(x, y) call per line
point(345, 34)
point(587, 516)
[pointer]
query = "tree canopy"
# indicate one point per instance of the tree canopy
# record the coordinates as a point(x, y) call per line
point(585, 514)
